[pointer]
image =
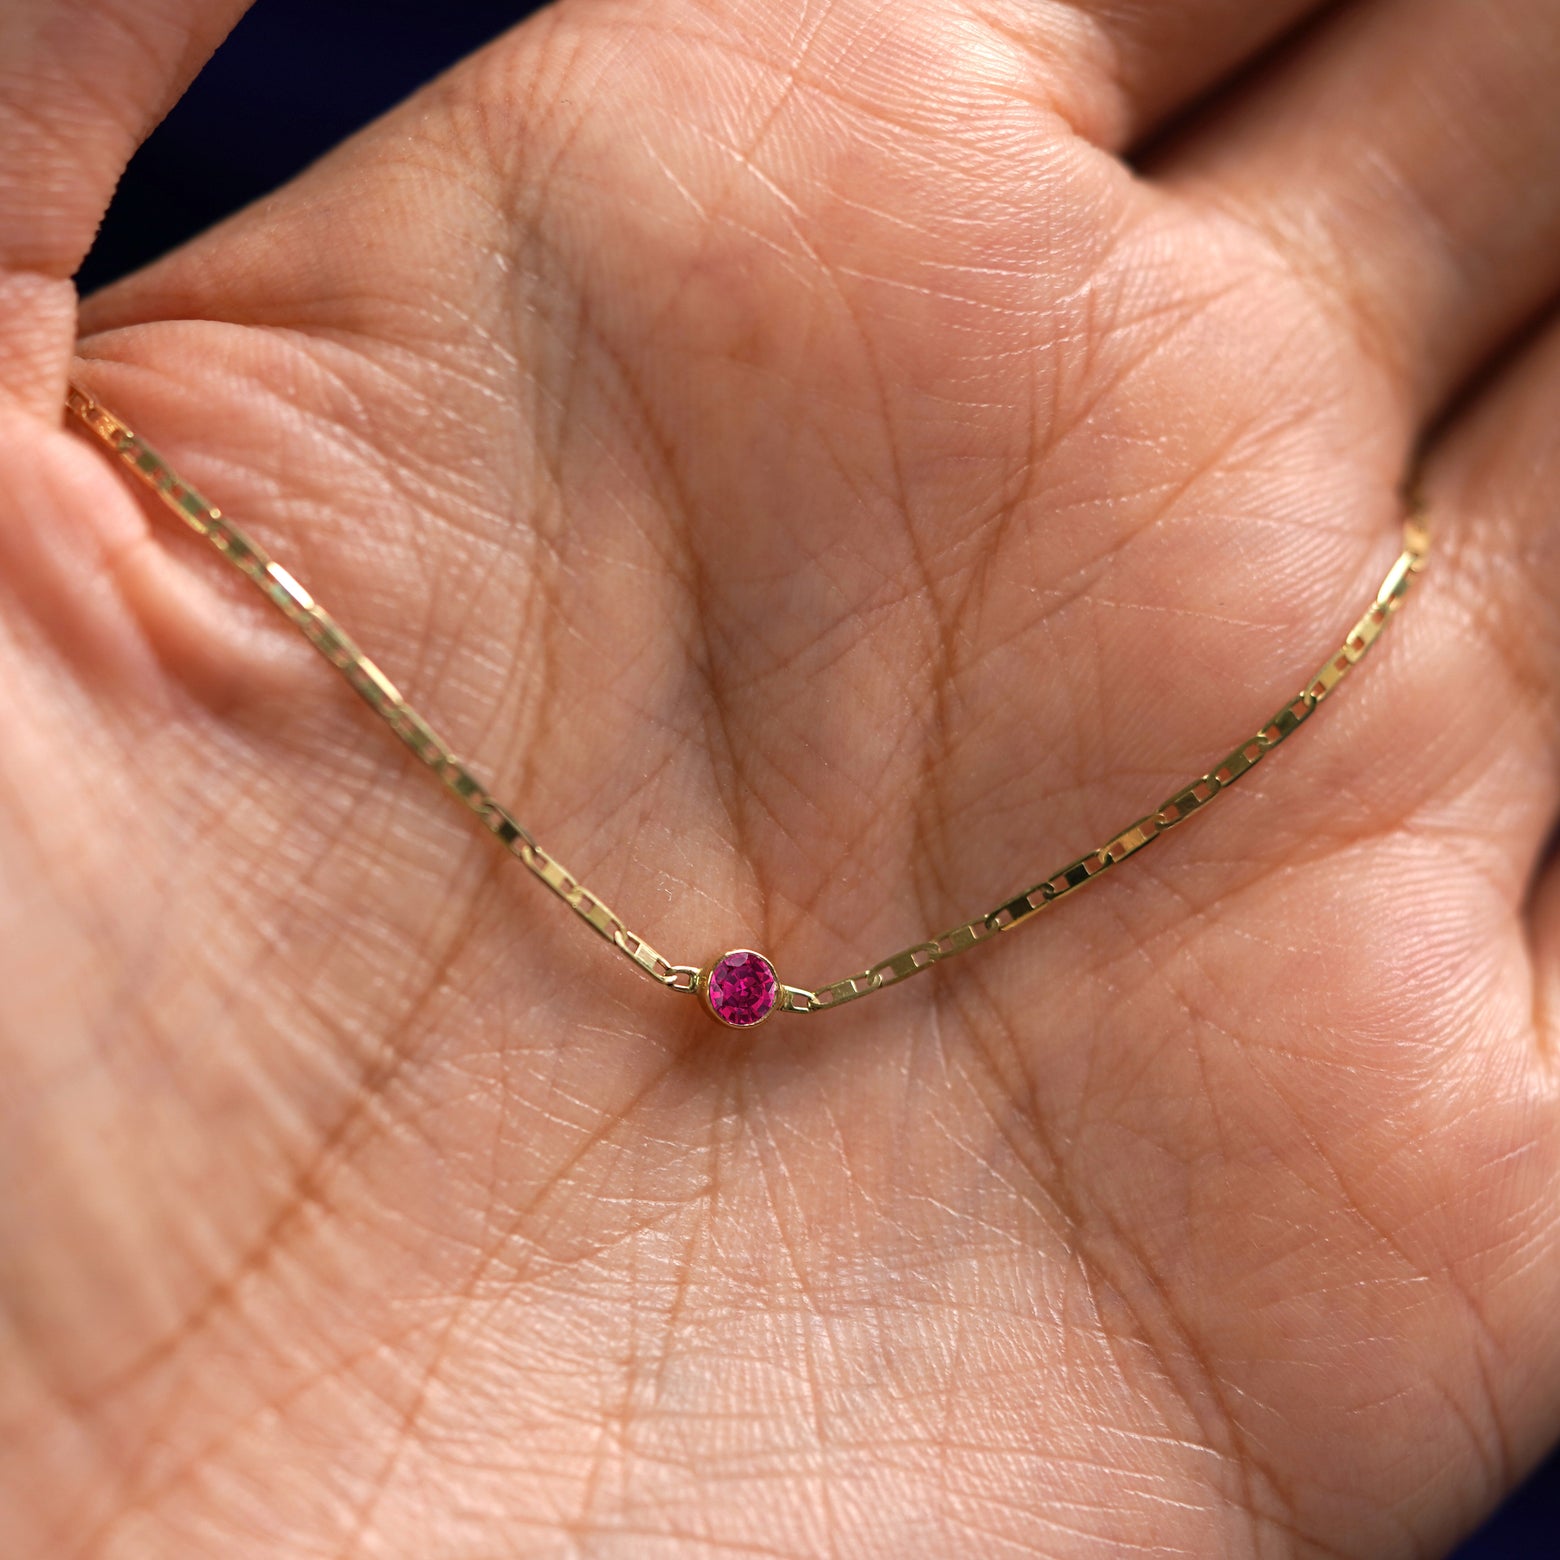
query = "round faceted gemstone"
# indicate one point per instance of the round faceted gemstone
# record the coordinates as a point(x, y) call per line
point(742, 989)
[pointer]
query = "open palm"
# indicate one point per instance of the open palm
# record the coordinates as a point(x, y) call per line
point(822, 488)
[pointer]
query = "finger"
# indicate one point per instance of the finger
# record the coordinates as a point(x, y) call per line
point(1496, 606)
point(1118, 67)
point(1112, 68)
point(1492, 607)
point(81, 83)
point(1405, 161)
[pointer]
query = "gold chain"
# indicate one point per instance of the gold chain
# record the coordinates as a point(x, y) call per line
point(332, 642)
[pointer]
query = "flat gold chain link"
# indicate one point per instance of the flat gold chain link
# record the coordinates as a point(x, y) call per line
point(382, 696)
point(1174, 810)
point(152, 472)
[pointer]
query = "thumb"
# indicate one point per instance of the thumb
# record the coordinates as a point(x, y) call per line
point(82, 82)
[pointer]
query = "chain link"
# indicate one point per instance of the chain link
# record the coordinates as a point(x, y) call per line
point(382, 696)
point(337, 647)
point(1173, 810)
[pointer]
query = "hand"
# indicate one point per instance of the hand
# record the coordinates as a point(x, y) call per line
point(823, 489)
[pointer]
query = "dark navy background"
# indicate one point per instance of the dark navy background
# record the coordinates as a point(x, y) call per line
point(297, 76)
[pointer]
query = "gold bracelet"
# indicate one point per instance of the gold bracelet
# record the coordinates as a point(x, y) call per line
point(740, 987)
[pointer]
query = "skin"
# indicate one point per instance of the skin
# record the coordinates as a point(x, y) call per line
point(828, 464)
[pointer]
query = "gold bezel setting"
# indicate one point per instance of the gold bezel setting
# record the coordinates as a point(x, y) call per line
point(775, 997)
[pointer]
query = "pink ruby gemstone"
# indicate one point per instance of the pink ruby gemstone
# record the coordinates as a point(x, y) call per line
point(743, 989)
